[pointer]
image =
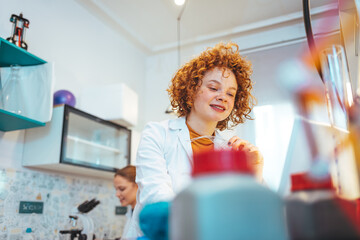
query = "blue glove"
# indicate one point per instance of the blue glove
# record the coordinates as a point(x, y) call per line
point(154, 220)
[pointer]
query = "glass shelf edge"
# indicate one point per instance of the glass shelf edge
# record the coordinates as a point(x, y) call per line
point(28, 122)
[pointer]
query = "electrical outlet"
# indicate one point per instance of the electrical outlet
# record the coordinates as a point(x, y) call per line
point(120, 210)
point(31, 207)
point(14, 237)
point(14, 234)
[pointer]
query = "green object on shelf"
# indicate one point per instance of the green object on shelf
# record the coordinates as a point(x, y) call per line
point(10, 54)
point(10, 121)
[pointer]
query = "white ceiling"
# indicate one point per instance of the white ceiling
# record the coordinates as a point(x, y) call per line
point(152, 24)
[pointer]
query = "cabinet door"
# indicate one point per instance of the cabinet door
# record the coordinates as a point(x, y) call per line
point(92, 142)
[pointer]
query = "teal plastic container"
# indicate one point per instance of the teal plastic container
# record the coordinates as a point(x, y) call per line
point(225, 202)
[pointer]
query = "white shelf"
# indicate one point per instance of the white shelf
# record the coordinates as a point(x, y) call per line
point(97, 145)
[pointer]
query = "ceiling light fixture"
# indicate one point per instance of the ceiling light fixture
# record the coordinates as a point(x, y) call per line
point(179, 2)
point(169, 109)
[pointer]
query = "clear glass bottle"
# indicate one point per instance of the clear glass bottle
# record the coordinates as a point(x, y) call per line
point(11, 94)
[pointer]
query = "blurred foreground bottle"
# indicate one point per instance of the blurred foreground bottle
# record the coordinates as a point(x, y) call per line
point(354, 129)
point(314, 212)
point(225, 202)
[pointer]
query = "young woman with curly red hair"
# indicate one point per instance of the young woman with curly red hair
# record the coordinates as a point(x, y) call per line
point(210, 93)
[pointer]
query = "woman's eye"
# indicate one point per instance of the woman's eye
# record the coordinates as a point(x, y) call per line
point(231, 95)
point(212, 89)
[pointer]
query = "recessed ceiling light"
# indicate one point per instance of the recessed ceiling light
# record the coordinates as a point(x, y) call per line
point(179, 2)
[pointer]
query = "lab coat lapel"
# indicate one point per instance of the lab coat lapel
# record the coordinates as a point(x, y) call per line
point(184, 135)
point(219, 141)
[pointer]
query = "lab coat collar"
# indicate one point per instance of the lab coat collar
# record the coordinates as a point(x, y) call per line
point(178, 123)
point(183, 134)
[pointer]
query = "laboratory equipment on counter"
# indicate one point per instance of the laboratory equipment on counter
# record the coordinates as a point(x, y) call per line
point(80, 213)
point(314, 212)
point(225, 202)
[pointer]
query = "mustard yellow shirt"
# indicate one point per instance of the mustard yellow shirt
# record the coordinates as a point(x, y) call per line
point(202, 144)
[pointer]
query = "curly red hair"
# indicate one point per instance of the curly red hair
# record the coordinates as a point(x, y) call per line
point(188, 79)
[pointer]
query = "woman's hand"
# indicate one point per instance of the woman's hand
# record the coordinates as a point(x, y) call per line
point(252, 152)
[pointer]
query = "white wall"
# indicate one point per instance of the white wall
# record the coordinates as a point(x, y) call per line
point(84, 50)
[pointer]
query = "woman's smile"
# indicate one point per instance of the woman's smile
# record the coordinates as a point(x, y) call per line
point(218, 108)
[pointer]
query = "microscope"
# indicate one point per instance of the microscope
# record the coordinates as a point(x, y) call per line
point(80, 214)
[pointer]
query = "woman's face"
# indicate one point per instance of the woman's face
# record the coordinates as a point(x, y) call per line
point(215, 98)
point(125, 191)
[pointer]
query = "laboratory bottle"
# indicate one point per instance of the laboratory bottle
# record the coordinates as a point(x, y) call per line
point(11, 92)
point(29, 234)
point(315, 212)
point(224, 201)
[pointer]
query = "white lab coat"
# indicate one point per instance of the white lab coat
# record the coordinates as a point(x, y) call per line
point(128, 216)
point(163, 165)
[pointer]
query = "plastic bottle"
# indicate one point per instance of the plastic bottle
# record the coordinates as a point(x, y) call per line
point(225, 202)
point(315, 212)
point(29, 234)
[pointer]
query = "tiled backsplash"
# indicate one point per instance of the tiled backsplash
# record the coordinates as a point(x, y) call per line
point(60, 194)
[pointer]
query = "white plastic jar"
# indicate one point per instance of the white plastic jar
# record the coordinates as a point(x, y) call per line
point(225, 202)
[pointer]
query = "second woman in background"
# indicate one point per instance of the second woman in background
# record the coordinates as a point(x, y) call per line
point(125, 190)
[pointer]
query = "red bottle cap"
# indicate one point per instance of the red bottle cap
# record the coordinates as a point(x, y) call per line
point(220, 161)
point(303, 181)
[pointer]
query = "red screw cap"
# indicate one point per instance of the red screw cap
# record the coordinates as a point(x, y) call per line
point(303, 181)
point(220, 161)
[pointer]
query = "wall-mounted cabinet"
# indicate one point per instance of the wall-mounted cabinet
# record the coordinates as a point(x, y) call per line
point(11, 55)
point(77, 142)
